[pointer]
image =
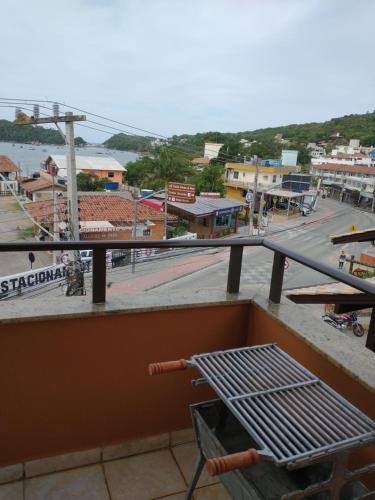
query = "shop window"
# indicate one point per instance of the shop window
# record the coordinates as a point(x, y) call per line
point(222, 220)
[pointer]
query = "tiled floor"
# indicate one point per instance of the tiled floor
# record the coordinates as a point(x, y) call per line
point(161, 474)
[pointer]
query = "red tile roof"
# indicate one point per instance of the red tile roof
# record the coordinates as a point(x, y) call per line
point(96, 207)
point(339, 167)
point(36, 185)
point(6, 165)
point(200, 161)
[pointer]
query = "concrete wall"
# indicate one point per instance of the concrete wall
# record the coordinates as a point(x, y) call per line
point(74, 384)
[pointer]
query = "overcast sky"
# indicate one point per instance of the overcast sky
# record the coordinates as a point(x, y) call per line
point(174, 66)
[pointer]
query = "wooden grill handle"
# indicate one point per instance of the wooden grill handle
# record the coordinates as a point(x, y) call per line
point(234, 461)
point(167, 366)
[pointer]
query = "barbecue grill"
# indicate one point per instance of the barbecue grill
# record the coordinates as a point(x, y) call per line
point(291, 419)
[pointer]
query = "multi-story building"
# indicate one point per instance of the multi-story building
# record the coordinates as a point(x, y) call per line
point(240, 177)
point(341, 180)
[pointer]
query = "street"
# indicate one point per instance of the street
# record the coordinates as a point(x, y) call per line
point(195, 269)
point(312, 239)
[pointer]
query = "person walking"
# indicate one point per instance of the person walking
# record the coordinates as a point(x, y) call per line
point(342, 259)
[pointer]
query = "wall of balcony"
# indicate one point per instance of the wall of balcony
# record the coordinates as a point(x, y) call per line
point(78, 380)
point(70, 384)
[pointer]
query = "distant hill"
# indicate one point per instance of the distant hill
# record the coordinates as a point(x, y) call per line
point(9, 132)
point(129, 142)
point(350, 127)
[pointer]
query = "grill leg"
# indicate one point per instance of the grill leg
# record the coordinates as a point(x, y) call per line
point(196, 475)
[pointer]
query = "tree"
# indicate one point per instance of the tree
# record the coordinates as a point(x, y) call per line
point(211, 179)
point(139, 172)
point(231, 151)
point(78, 141)
point(90, 182)
point(169, 165)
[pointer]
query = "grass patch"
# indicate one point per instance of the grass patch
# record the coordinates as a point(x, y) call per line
point(26, 233)
point(14, 206)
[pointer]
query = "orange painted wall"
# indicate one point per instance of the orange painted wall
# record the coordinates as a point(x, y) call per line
point(264, 329)
point(80, 383)
point(157, 233)
point(103, 174)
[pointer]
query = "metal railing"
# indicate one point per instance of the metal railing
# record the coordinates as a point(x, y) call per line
point(234, 269)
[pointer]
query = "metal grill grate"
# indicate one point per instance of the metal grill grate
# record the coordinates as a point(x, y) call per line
point(287, 410)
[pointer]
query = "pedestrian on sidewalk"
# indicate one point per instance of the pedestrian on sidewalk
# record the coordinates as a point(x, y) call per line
point(342, 259)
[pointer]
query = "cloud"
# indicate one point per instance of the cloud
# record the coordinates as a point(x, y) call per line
point(174, 66)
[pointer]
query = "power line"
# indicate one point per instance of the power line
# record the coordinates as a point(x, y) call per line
point(194, 152)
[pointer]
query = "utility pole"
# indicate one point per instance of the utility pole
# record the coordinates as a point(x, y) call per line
point(166, 211)
point(72, 179)
point(68, 119)
point(255, 189)
point(133, 254)
point(373, 198)
point(56, 232)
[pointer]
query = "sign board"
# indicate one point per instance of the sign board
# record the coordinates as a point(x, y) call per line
point(227, 211)
point(31, 279)
point(181, 193)
point(249, 197)
point(210, 195)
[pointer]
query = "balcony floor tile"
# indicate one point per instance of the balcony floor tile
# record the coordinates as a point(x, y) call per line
point(143, 477)
point(213, 492)
point(186, 456)
point(86, 483)
point(12, 491)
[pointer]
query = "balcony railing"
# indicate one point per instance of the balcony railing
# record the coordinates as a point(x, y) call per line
point(234, 269)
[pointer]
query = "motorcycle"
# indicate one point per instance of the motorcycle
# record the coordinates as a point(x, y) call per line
point(344, 320)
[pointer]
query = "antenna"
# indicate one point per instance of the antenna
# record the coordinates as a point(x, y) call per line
point(36, 110)
point(55, 109)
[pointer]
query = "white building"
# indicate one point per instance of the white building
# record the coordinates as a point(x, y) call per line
point(289, 157)
point(316, 151)
point(347, 177)
point(211, 149)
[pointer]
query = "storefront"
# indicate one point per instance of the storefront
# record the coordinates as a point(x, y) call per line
point(209, 218)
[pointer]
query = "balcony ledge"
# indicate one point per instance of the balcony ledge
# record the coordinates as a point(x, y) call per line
point(346, 353)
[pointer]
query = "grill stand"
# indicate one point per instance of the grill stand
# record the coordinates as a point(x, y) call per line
point(210, 446)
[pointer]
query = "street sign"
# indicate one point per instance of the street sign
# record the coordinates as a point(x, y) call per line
point(181, 193)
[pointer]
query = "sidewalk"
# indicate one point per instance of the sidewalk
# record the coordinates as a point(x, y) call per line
point(13, 222)
point(321, 214)
point(166, 275)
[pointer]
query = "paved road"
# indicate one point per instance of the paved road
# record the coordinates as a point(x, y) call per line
point(196, 269)
point(312, 239)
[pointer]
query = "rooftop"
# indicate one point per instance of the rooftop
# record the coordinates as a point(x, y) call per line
point(6, 164)
point(37, 184)
point(94, 208)
point(207, 206)
point(88, 163)
point(200, 161)
point(361, 169)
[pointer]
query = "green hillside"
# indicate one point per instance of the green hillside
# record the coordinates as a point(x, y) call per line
point(350, 127)
point(9, 132)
